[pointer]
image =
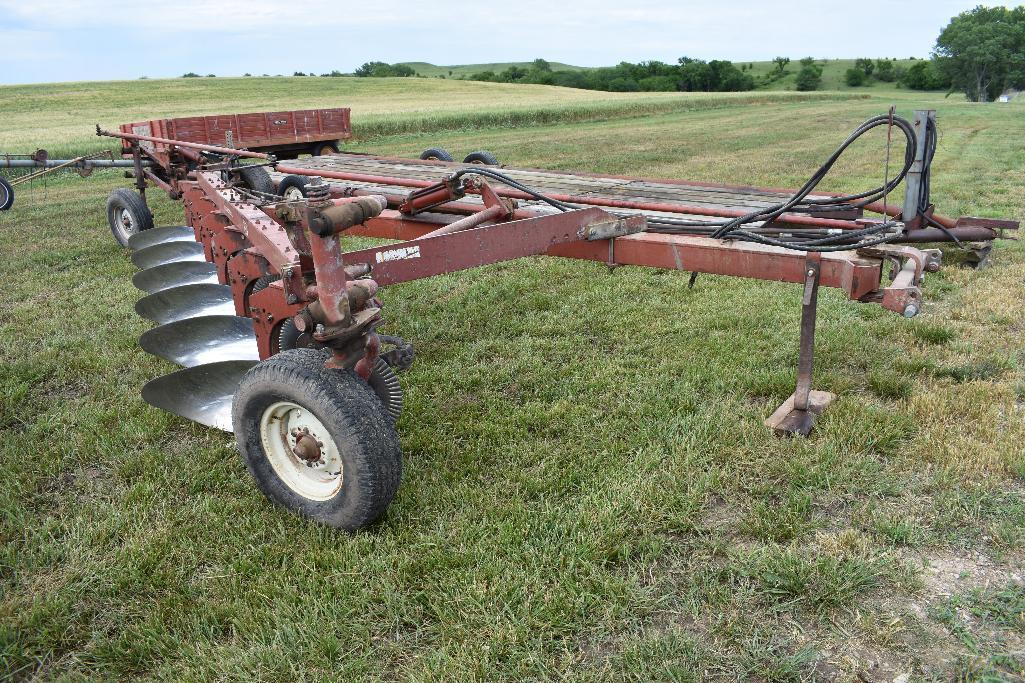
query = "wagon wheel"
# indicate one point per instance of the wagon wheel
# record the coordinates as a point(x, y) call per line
point(316, 440)
point(6, 194)
point(324, 148)
point(292, 188)
point(256, 178)
point(482, 157)
point(435, 154)
point(383, 379)
point(127, 215)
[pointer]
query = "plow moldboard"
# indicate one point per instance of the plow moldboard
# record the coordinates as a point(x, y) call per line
point(171, 275)
point(198, 341)
point(153, 236)
point(188, 301)
point(171, 252)
point(203, 393)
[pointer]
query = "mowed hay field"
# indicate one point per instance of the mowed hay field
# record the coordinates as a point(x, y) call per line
point(589, 492)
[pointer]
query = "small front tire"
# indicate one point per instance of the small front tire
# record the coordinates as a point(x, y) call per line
point(257, 179)
point(382, 380)
point(324, 149)
point(292, 188)
point(482, 157)
point(317, 441)
point(6, 194)
point(127, 215)
point(435, 154)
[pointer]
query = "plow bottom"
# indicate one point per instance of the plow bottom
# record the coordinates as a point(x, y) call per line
point(202, 394)
point(170, 275)
point(167, 252)
point(196, 327)
point(187, 301)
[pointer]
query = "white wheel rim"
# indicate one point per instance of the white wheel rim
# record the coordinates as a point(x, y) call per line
point(320, 480)
point(293, 194)
point(126, 220)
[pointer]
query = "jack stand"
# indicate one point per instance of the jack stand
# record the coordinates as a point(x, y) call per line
point(797, 414)
point(140, 175)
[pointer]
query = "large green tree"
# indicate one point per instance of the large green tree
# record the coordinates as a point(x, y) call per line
point(982, 52)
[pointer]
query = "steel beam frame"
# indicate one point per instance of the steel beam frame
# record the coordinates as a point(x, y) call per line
point(317, 290)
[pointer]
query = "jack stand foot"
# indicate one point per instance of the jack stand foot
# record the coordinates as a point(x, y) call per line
point(789, 421)
point(977, 254)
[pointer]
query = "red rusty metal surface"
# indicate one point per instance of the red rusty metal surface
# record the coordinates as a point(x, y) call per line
point(269, 310)
point(263, 232)
point(247, 242)
point(169, 142)
point(244, 269)
point(223, 247)
point(845, 270)
point(252, 130)
point(966, 222)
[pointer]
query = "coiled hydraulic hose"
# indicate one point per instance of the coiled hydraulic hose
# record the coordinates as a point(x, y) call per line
point(801, 239)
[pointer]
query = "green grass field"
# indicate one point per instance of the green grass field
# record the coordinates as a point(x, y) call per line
point(589, 492)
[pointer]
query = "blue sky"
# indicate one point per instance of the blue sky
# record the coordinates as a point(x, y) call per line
point(64, 40)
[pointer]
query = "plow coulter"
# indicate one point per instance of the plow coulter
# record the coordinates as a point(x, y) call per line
point(274, 326)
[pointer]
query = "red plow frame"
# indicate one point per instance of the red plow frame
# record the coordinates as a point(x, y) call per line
point(281, 270)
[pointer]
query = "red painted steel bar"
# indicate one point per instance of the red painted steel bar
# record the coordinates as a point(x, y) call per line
point(853, 274)
point(472, 221)
point(190, 145)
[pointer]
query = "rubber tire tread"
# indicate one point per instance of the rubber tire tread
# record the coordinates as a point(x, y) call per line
point(481, 156)
point(257, 178)
point(8, 194)
point(380, 377)
point(123, 198)
point(324, 148)
point(356, 420)
point(436, 153)
point(289, 181)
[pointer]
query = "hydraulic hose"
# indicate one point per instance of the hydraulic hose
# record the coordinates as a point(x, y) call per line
point(801, 239)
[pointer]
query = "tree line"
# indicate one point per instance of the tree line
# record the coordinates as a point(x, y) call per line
point(686, 75)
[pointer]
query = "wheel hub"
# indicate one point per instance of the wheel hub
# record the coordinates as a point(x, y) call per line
point(301, 451)
point(306, 448)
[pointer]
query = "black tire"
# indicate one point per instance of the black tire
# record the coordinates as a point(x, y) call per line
point(6, 194)
point(383, 379)
point(435, 154)
point(324, 148)
point(346, 407)
point(291, 184)
point(256, 178)
point(482, 157)
point(127, 215)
